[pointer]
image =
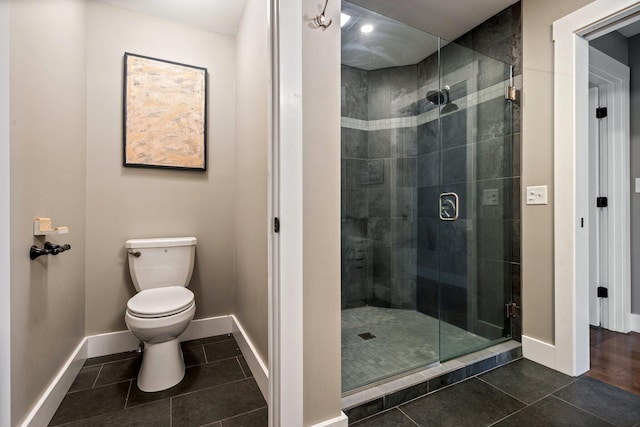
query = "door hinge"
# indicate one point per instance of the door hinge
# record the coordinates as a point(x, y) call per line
point(602, 202)
point(603, 292)
point(276, 225)
point(601, 112)
point(513, 311)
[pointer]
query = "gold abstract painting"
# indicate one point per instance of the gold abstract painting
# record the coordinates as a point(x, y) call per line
point(165, 115)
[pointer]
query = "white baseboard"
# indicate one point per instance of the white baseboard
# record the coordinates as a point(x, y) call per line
point(256, 364)
point(635, 322)
point(539, 351)
point(117, 342)
point(46, 407)
point(341, 421)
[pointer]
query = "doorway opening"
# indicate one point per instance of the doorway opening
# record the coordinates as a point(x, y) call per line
point(573, 203)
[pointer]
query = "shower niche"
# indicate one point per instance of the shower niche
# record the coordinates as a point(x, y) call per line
point(429, 199)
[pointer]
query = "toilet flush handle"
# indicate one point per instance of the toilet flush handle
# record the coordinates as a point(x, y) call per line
point(135, 254)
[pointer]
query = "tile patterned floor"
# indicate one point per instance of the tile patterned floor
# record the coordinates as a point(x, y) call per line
point(218, 390)
point(519, 394)
point(404, 340)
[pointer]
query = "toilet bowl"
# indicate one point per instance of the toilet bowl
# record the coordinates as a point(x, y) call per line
point(162, 309)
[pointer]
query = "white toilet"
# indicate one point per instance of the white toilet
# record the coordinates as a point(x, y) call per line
point(163, 307)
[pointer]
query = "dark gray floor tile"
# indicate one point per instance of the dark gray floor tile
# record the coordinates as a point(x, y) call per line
point(365, 410)
point(216, 403)
point(245, 367)
point(85, 379)
point(551, 411)
point(193, 355)
point(392, 418)
point(603, 400)
point(526, 380)
point(112, 358)
point(470, 403)
point(115, 372)
point(259, 418)
point(196, 378)
point(157, 414)
point(447, 379)
point(222, 350)
point(207, 340)
point(88, 403)
point(405, 395)
point(481, 366)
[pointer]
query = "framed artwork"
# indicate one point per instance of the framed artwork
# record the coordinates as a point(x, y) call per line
point(165, 114)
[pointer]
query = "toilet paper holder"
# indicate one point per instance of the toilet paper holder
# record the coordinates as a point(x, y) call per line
point(49, 249)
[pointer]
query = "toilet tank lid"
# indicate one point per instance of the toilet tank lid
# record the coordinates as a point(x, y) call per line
point(163, 242)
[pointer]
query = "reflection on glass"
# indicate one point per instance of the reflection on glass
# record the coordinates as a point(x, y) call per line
point(420, 117)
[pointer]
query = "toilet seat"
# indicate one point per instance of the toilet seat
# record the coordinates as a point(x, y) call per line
point(160, 302)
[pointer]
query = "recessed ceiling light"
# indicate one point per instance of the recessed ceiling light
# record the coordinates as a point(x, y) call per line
point(366, 28)
point(344, 18)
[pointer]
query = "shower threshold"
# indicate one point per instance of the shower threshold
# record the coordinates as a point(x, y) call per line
point(379, 397)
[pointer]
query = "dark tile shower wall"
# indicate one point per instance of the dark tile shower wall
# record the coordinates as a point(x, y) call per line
point(356, 256)
point(498, 164)
point(392, 179)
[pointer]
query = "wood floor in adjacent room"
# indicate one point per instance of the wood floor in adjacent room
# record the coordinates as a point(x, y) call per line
point(615, 358)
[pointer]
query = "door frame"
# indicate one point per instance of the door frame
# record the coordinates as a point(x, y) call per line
point(571, 80)
point(5, 228)
point(612, 78)
point(285, 198)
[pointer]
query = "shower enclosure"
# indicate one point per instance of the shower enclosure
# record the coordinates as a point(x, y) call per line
point(429, 199)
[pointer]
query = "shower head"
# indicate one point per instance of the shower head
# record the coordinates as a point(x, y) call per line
point(442, 97)
point(438, 97)
point(449, 107)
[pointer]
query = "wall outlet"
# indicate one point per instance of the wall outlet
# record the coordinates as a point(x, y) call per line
point(491, 197)
point(537, 195)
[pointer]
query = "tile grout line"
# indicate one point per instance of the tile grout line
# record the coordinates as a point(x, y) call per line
point(404, 413)
point(504, 392)
point(126, 400)
point(97, 376)
point(583, 410)
point(171, 412)
point(241, 368)
point(238, 415)
point(193, 391)
point(206, 360)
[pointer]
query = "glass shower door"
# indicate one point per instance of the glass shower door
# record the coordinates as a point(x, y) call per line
point(475, 202)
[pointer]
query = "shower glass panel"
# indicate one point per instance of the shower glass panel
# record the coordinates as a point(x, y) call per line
point(474, 250)
point(426, 199)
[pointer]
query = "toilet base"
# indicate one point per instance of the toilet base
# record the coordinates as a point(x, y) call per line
point(162, 366)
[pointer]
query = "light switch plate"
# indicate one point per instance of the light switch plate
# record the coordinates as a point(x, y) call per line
point(537, 195)
point(637, 185)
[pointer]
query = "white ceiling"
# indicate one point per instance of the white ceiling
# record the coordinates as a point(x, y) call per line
point(390, 44)
point(448, 19)
point(219, 16)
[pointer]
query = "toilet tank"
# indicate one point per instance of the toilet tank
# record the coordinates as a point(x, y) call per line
point(162, 261)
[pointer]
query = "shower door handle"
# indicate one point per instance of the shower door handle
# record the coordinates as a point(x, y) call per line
point(449, 206)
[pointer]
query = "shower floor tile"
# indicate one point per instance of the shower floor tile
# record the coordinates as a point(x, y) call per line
point(403, 340)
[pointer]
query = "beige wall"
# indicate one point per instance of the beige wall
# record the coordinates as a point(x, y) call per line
point(47, 107)
point(252, 149)
point(125, 203)
point(537, 162)
point(321, 209)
